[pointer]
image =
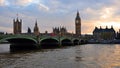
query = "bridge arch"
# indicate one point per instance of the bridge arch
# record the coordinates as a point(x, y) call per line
point(49, 42)
point(66, 42)
point(76, 41)
point(21, 42)
point(83, 41)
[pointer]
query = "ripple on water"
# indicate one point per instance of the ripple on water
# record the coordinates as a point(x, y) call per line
point(84, 56)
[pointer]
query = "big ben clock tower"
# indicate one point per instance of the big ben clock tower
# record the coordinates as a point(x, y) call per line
point(78, 24)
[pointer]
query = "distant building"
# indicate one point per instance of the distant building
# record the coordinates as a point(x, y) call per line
point(60, 31)
point(36, 29)
point(78, 25)
point(56, 30)
point(17, 26)
point(118, 35)
point(63, 31)
point(29, 31)
point(104, 34)
point(1, 33)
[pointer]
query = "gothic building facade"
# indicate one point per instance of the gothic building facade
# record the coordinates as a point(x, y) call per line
point(78, 25)
point(61, 30)
point(36, 29)
point(17, 26)
point(104, 33)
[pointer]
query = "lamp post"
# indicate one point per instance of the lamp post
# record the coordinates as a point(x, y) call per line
point(59, 38)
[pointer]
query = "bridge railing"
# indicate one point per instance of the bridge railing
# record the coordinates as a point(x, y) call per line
point(5, 37)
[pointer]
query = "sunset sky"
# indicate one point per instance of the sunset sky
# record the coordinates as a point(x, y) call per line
point(51, 13)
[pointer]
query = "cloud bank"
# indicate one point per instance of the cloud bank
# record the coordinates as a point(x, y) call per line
point(62, 12)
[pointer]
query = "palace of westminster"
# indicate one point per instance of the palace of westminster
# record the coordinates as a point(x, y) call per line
point(17, 28)
point(98, 33)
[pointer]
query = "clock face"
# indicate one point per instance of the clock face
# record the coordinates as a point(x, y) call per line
point(77, 21)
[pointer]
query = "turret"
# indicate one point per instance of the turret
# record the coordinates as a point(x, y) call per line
point(36, 29)
point(106, 27)
point(17, 26)
point(29, 30)
point(77, 16)
point(111, 27)
point(100, 27)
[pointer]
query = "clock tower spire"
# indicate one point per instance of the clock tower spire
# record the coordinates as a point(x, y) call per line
point(78, 24)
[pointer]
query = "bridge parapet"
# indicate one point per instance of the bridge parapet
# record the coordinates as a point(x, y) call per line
point(48, 37)
point(6, 37)
point(42, 40)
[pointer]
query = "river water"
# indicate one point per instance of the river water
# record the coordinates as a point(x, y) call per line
point(81, 56)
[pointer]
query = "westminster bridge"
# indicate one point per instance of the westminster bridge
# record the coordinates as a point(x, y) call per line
point(32, 41)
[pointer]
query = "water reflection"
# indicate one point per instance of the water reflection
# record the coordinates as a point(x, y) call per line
point(101, 56)
point(4, 48)
point(22, 48)
point(83, 56)
point(112, 58)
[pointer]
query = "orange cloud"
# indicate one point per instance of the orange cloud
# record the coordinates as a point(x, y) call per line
point(21, 2)
point(2, 2)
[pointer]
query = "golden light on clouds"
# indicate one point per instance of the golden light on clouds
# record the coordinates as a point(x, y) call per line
point(2, 2)
point(106, 17)
point(93, 13)
point(107, 13)
point(115, 24)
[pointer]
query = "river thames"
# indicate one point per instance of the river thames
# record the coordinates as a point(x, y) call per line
point(81, 56)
